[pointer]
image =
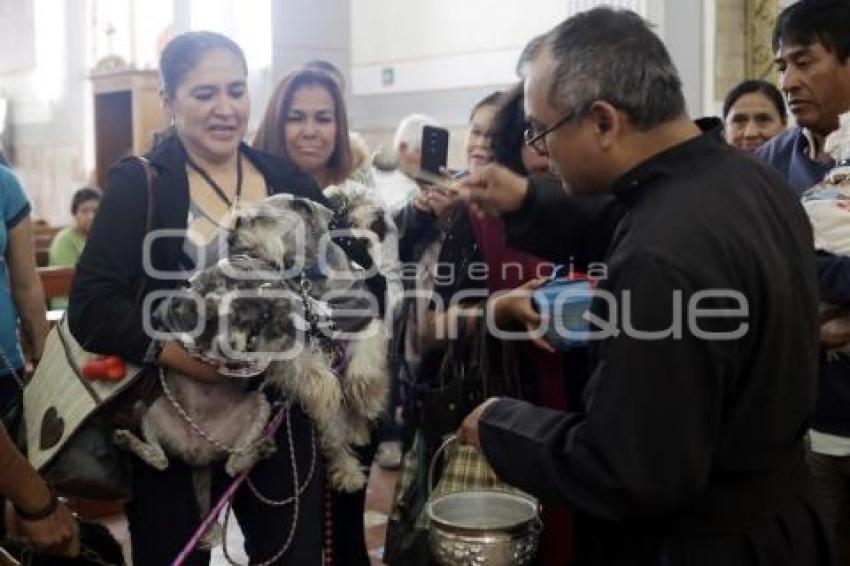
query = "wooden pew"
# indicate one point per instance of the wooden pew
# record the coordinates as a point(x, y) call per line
point(56, 281)
point(42, 234)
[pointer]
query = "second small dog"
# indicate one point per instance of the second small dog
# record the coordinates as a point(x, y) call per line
point(289, 231)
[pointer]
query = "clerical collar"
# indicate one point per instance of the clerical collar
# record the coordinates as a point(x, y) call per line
point(626, 188)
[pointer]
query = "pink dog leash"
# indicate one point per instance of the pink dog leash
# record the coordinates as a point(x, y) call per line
point(213, 513)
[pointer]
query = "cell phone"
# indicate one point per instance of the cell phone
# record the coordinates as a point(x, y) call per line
point(435, 149)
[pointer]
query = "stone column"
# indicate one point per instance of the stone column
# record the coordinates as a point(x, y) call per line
point(760, 20)
point(730, 61)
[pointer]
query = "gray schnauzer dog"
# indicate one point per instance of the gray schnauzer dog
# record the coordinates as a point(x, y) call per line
point(362, 211)
point(230, 316)
point(272, 309)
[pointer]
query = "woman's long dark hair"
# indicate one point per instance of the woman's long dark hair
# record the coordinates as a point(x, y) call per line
point(271, 138)
point(509, 124)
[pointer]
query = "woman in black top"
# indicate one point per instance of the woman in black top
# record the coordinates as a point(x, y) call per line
point(202, 169)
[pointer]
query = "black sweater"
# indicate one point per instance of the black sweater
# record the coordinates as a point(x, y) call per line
point(104, 314)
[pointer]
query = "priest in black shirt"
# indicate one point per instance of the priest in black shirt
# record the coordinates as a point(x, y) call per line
point(690, 450)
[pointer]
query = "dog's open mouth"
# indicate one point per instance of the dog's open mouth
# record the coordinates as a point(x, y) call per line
point(243, 369)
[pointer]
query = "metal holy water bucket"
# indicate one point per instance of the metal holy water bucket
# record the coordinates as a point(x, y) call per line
point(479, 527)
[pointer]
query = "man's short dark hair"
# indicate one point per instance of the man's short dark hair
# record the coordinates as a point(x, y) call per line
point(755, 85)
point(529, 54)
point(613, 55)
point(82, 196)
point(811, 21)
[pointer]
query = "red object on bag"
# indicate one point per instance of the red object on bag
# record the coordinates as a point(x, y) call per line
point(105, 368)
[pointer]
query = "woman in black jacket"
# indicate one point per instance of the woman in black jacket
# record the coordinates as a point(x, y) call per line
point(201, 170)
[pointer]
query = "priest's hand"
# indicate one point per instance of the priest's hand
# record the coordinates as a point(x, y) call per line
point(468, 433)
point(440, 200)
point(493, 189)
point(420, 202)
point(515, 306)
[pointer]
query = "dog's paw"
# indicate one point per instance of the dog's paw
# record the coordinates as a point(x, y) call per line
point(366, 392)
point(259, 450)
point(265, 448)
point(155, 458)
point(319, 393)
point(150, 454)
point(238, 463)
point(345, 473)
point(359, 431)
point(366, 383)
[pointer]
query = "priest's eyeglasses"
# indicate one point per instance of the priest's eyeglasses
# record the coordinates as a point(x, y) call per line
point(537, 140)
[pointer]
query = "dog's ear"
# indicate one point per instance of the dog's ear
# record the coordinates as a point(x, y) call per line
point(313, 212)
point(179, 311)
point(212, 302)
point(281, 321)
point(336, 200)
point(302, 207)
point(250, 215)
point(284, 204)
point(325, 215)
point(379, 226)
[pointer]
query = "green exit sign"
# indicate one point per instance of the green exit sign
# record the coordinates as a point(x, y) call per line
point(388, 76)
